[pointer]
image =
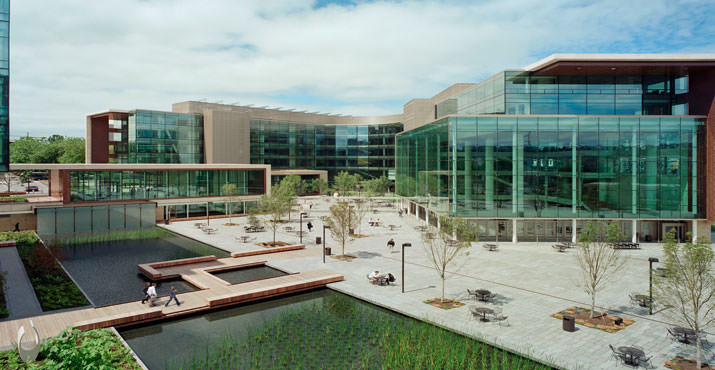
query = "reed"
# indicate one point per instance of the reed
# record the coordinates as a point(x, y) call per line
point(340, 332)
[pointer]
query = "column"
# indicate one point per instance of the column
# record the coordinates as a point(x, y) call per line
point(695, 230)
point(634, 173)
point(520, 177)
point(574, 174)
point(514, 238)
point(514, 171)
point(489, 174)
point(453, 162)
point(468, 178)
point(634, 230)
point(574, 237)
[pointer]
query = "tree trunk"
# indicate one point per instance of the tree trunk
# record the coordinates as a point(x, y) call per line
point(593, 303)
point(441, 299)
point(230, 212)
point(275, 226)
point(697, 356)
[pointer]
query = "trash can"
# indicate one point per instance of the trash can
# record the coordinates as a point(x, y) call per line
point(327, 251)
point(318, 240)
point(569, 323)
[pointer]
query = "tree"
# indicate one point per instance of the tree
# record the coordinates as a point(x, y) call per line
point(7, 178)
point(72, 150)
point(274, 206)
point(230, 191)
point(361, 210)
point(22, 149)
point(341, 220)
point(444, 249)
point(688, 287)
point(377, 186)
point(599, 262)
point(23, 175)
point(319, 185)
point(287, 190)
point(54, 149)
point(345, 182)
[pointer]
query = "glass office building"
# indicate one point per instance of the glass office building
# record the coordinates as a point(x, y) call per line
point(368, 150)
point(157, 137)
point(4, 85)
point(158, 184)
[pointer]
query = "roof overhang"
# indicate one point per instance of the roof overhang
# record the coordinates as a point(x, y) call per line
point(576, 64)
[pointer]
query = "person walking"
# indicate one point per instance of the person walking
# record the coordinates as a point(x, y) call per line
point(172, 295)
point(151, 292)
point(145, 295)
point(310, 226)
point(17, 227)
point(391, 244)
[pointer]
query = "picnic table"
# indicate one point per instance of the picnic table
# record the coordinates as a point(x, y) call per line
point(243, 238)
point(393, 227)
point(483, 311)
point(254, 229)
point(560, 247)
point(209, 230)
point(682, 334)
point(631, 355)
point(490, 246)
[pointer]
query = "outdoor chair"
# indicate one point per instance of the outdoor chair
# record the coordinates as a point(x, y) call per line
point(472, 293)
point(672, 335)
point(617, 355)
point(634, 300)
point(501, 319)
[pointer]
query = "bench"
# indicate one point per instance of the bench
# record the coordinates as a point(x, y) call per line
point(118, 319)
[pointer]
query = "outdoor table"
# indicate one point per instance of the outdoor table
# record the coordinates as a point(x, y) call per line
point(289, 229)
point(643, 300)
point(421, 228)
point(243, 238)
point(484, 311)
point(482, 294)
point(210, 230)
point(631, 355)
point(684, 333)
point(392, 227)
point(490, 247)
point(560, 247)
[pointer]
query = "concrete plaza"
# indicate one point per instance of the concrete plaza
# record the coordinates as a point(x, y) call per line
point(532, 281)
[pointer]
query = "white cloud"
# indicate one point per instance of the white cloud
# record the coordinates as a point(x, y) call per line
point(73, 57)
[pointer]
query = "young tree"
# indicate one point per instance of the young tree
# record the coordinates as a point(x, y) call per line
point(361, 210)
point(230, 191)
point(23, 175)
point(287, 190)
point(689, 286)
point(443, 249)
point(341, 220)
point(274, 206)
point(345, 182)
point(319, 185)
point(7, 178)
point(599, 262)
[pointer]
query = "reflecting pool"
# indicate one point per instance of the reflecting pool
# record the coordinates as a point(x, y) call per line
point(242, 275)
point(107, 271)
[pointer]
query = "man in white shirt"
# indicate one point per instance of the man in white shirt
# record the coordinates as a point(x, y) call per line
point(373, 276)
point(152, 294)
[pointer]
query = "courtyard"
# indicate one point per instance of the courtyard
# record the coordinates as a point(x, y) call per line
point(532, 281)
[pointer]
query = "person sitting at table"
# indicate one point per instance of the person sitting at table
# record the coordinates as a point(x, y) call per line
point(391, 244)
point(371, 222)
point(373, 276)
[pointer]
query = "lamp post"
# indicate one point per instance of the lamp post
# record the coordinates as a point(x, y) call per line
point(301, 226)
point(650, 273)
point(404, 245)
point(324, 227)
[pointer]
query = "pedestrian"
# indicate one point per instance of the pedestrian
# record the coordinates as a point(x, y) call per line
point(310, 226)
point(151, 292)
point(145, 295)
point(310, 205)
point(391, 244)
point(399, 212)
point(17, 227)
point(172, 295)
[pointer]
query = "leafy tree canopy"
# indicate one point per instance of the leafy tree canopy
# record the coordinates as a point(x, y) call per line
point(53, 149)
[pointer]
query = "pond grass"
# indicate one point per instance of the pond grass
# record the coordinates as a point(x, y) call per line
point(339, 332)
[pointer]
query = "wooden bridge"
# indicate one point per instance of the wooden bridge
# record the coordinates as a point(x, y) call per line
point(213, 293)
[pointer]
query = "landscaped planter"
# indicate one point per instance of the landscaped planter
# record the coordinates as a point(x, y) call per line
point(683, 363)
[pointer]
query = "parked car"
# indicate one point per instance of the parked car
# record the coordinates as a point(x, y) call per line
point(31, 188)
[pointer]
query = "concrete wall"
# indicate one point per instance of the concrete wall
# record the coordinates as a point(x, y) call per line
point(227, 137)
point(28, 221)
point(419, 112)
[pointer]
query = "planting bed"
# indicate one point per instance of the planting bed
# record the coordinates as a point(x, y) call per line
point(600, 320)
point(321, 330)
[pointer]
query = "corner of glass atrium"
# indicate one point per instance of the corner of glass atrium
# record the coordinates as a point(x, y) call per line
point(538, 178)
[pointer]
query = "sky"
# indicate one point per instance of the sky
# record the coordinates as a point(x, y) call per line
point(73, 57)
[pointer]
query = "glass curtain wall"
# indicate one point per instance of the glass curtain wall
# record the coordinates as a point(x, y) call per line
point(4, 85)
point(364, 149)
point(164, 137)
point(131, 185)
point(95, 218)
point(555, 167)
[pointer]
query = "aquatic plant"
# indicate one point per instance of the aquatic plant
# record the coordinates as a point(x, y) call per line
point(339, 332)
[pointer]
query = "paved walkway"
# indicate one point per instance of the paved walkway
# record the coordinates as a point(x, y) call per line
point(214, 293)
point(19, 294)
point(532, 281)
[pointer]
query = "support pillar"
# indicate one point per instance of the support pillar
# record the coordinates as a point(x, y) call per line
point(634, 229)
point(514, 238)
point(574, 237)
point(574, 175)
point(695, 230)
point(489, 174)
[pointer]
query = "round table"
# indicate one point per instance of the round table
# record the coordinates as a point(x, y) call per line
point(482, 294)
point(683, 332)
point(631, 354)
point(484, 311)
point(643, 300)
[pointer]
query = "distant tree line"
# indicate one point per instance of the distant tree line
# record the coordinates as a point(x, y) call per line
point(53, 149)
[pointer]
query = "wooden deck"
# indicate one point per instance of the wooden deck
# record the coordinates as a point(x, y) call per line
point(215, 293)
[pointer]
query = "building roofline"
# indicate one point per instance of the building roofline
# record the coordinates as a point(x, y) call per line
point(556, 58)
point(134, 166)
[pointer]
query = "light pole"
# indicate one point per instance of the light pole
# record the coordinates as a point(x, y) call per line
point(301, 226)
point(650, 273)
point(324, 227)
point(404, 245)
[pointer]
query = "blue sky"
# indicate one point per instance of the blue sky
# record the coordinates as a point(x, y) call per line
point(75, 57)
